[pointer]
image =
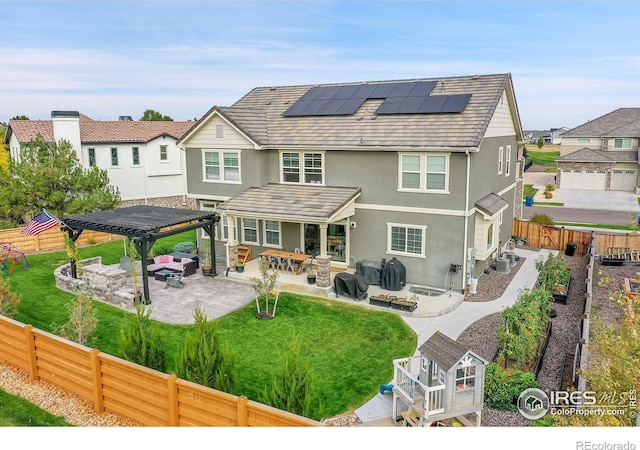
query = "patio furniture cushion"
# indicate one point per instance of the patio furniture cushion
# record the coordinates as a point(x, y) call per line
point(163, 259)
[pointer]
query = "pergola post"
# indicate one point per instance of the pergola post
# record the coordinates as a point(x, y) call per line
point(143, 246)
point(73, 237)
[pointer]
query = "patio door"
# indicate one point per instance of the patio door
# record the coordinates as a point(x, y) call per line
point(312, 239)
point(337, 241)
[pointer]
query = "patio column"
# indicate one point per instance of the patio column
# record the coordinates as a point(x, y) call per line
point(323, 239)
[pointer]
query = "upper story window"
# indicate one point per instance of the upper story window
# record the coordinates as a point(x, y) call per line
point(622, 143)
point(500, 159)
point(163, 153)
point(114, 156)
point(221, 166)
point(583, 141)
point(92, 157)
point(302, 167)
point(135, 154)
point(507, 162)
point(424, 172)
point(407, 240)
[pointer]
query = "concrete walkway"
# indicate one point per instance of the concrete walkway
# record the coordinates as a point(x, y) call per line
point(377, 411)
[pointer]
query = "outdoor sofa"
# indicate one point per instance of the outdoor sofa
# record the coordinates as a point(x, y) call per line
point(185, 265)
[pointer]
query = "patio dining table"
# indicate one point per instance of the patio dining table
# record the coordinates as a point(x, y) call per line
point(298, 258)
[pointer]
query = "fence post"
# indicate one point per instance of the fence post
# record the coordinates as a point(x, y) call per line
point(98, 398)
point(243, 412)
point(31, 351)
point(172, 398)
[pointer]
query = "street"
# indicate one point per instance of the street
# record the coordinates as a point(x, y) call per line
point(581, 215)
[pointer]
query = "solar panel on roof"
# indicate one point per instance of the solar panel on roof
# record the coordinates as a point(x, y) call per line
point(347, 91)
point(382, 90)
point(432, 104)
point(422, 88)
point(410, 105)
point(411, 97)
point(456, 103)
point(402, 89)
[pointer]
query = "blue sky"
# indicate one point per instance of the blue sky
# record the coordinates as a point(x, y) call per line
point(571, 61)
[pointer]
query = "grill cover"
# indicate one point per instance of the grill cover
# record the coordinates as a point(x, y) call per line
point(370, 270)
point(394, 276)
point(351, 285)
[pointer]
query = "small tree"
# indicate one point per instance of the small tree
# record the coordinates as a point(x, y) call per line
point(151, 115)
point(9, 301)
point(264, 286)
point(82, 320)
point(291, 391)
point(202, 359)
point(141, 342)
point(540, 143)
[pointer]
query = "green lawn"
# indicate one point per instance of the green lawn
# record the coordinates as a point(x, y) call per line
point(350, 348)
point(17, 412)
point(529, 191)
point(543, 158)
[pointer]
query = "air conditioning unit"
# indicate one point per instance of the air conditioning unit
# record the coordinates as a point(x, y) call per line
point(502, 265)
point(511, 257)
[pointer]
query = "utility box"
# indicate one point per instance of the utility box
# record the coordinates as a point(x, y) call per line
point(571, 248)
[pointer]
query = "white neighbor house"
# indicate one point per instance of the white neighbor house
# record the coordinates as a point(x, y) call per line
point(141, 157)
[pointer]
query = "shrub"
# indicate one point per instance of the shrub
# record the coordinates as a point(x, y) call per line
point(9, 300)
point(202, 359)
point(185, 247)
point(541, 219)
point(141, 342)
point(548, 194)
point(502, 388)
point(550, 187)
point(82, 320)
point(162, 249)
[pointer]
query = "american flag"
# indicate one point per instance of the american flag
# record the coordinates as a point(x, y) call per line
point(40, 223)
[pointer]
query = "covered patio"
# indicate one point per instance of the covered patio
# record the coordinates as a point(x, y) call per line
point(143, 225)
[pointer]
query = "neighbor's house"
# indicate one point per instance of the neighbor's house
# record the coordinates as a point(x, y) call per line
point(424, 170)
point(141, 158)
point(602, 154)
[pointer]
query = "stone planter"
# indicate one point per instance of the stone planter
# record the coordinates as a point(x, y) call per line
point(404, 305)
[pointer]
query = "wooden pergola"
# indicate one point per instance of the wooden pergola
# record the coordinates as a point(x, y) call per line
point(143, 225)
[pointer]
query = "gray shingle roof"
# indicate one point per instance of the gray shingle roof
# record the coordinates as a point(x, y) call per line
point(293, 202)
point(623, 122)
point(491, 203)
point(260, 115)
point(590, 155)
point(443, 350)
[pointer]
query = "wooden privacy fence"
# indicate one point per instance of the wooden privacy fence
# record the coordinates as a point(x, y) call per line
point(112, 384)
point(557, 238)
point(50, 240)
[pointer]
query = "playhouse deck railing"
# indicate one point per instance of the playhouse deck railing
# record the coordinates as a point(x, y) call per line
point(413, 391)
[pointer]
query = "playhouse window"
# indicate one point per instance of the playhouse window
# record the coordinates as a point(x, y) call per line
point(465, 378)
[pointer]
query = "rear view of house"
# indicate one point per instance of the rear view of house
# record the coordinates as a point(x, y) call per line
point(427, 171)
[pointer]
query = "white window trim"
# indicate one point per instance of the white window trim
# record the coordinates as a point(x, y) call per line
point(264, 235)
point(423, 174)
point(423, 228)
point(133, 159)
point(500, 158)
point(95, 159)
point(166, 152)
point(623, 141)
point(224, 236)
point(244, 239)
point(117, 164)
point(583, 141)
point(221, 161)
point(507, 162)
point(301, 167)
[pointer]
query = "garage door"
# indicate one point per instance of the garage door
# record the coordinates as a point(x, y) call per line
point(623, 180)
point(594, 180)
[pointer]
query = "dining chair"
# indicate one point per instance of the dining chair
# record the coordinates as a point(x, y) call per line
point(282, 263)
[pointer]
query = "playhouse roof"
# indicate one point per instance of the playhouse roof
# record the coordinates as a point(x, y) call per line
point(444, 351)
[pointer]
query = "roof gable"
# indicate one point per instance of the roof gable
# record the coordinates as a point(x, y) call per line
point(446, 352)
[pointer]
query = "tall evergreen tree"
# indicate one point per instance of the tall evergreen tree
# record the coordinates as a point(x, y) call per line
point(141, 341)
point(203, 360)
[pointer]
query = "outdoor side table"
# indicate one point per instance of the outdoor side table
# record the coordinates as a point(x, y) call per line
point(161, 275)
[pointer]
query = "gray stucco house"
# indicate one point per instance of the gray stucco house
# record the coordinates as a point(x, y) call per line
point(424, 170)
point(602, 154)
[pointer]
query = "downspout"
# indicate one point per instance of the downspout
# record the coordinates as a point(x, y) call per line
point(183, 173)
point(467, 277)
